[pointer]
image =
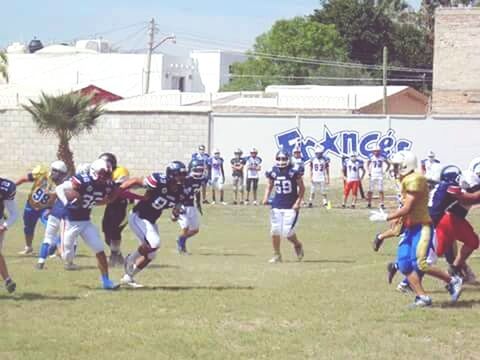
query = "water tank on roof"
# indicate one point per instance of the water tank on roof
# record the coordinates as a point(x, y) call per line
point(34, 45)
point(17, 48)
point(98, 45)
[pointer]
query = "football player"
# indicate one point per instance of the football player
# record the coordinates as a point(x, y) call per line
point(375, 166)
point(238, 163)
point(80, 194)
point(189, 219)
point(353, 172)
point(217, 175)
point(162, 192)
point(297, 160)
point(415, 254)
point(319, 175)
point(203, 157)
point(115, 213)
point(426, 164)
point(7, 201)
point(41, 197)
point(287, 184)
point(253, 164)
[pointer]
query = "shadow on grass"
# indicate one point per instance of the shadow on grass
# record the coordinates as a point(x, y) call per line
point(463, 304)
point(163, 266)
point(224, 254)
point(36, 297)
point(193, 287)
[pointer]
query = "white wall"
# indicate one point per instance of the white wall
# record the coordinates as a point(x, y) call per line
point(453, 140)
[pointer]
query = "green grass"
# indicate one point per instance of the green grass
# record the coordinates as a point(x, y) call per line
point(226, 302)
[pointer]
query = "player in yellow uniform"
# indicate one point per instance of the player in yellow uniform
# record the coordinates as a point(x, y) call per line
point(415, 255)
point(41, 197)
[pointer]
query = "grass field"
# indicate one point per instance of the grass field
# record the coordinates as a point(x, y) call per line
point(226, 302)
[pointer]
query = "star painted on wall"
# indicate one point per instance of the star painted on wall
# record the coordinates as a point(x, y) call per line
point(329, 142)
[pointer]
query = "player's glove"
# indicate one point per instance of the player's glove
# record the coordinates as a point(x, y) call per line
point(378, 216)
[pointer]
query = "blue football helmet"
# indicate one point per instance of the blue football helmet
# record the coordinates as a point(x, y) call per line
point(197, 169)
point(176, 171)
point(282, 159)
point(451, 174)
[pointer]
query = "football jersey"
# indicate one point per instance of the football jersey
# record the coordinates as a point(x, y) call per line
point(191, 187)
point(376, 164)
point(253, 166)
point(235, 162)
point(298, 164)
point(7, 192)
point(416, 183)
point(119, 175)
point(284, 186)
point(319, 168)
point(91, 192)
point(158, 198)
point(440, 200)
point(427, 165)
point(202, 158)
point(216, 166)
point(42, 194)
point(352, 169)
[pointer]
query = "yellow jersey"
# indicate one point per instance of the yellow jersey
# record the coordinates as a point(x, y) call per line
point(416, 183)
point(42, 195)
point(120, 174)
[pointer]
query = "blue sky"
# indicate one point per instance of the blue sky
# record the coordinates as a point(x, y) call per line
point(198, 24)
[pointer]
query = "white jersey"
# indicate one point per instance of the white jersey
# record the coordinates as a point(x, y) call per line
point(427, 166)
point(253, 167)
point(376, 168)
point(319, 169)
point(298, 164)
point(216, 165)
point(352, 169)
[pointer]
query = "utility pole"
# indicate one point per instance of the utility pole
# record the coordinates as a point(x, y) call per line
point(385, 61)
point(151, 48)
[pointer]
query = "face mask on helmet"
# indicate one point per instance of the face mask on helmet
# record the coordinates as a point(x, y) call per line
point(201, 149)
point(197, 172)
point(100, 170)
point(57, 176)
point(451, 174)
point(110, 158)
point(282, 159)
point(176, 172)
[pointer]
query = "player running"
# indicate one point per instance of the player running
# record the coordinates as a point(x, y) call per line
point(7, 201)
point(189, 219)
point(217, 175)
point(162, 192)
point(288, 187)
point(80, 194)
point(376, 171)
point(238, 163)
point(202, 157)
point(41, 197)
point(415, 251)
point(353, 172)
point(253, 164)
point(319, 175)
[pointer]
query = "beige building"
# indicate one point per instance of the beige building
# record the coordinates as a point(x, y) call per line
point(456, 63)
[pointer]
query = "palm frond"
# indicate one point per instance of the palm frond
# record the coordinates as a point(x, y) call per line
point(4, 65)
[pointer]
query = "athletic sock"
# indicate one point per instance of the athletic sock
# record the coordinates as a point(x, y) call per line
point(105, 279)
point(44, 251)
point(135, 256)
point(181, 241)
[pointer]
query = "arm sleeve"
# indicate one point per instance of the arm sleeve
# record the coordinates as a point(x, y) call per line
point(60, 191)
point(11, 207)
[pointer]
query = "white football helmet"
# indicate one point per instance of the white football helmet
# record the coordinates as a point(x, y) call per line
point(100, 170)
point(83, 168)
point(431, 155)
point(254, 151)
point(474, 166)
point(216, 153)
point(405, 162)
point(353, 156)
point(376, 148)
point(58, 170)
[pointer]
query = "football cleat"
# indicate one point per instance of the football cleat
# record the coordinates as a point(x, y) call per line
point(40, 266)
point(470, 277)
point(404, 287)
point(109, 285)
point(277, 258)
point(310, 205)
point(255, 202)
point(299, 252)
point(27, 251)
point(224, 203)
point(10, 286)
point(377, 243)
point(70, 266)
point(422, 301)
point(454, 288)
point(391, 271)
point(130, 281)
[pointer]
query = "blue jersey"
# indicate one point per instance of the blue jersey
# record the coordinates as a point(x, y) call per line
point(191, 187)
point(440, 200)
point(201, 158)
point(284, 185)
point(7, 192)
point(158, 198)
point(91, 192)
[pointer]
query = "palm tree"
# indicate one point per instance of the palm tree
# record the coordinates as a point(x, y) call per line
point(66, 116)
point(3, 66)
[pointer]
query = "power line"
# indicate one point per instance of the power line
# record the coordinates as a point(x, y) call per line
point(293, 77)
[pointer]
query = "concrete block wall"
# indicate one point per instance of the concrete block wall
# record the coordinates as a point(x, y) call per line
point(143, 142)
point(456, 77)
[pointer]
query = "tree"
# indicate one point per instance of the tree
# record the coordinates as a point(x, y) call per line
point(66, 116)
point(289, 53)
point(4, 66)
